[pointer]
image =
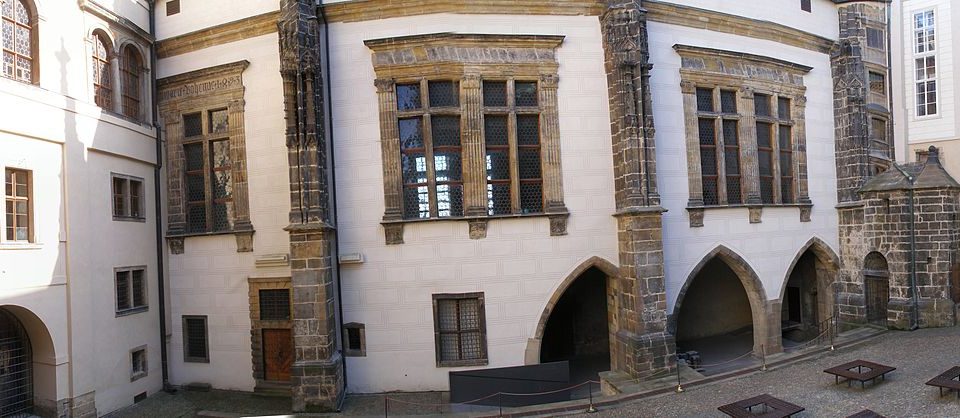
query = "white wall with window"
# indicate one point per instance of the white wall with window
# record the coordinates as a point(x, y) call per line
point(928, 58)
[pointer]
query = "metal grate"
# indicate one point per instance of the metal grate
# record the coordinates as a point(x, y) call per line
point(459, 326)
point(498, 199)
point(139, 285)
point(408, 96)
point(196, 218)
point(222, 216)
point(783, 108)
point(529, 166)
point(708, 132)
point(495, 93)
point(528, 129)
point(761, 104)
point(414, 168)
point(195, 338)
point(16, 363)
point(275, 304)
point(449, 200)
point(531, 197)
point(411, 133)
point(195, 188)
point(445, 131)
point(525, 93)
point(710, 196)
point(416, 202)
point(763, 135)
point(708, 161)
point(123, 290)
point(704, 100)
point(192, 125)
point(444, 93)
point(447, 166)
point(728, 101)
point(495, 129)
point(219, 123)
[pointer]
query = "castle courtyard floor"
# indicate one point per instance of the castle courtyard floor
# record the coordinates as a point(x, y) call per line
point(918, 356)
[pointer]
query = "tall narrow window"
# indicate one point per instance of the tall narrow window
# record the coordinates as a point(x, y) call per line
point(130, 68)
point(460, 328)
point(17, 40)
point(19, 226)
point(875, 39)
point(512, 137)
point(429, 125)
point(102, 73)
point(879, 144)
point(708, 146)
point(731, 147)
point(785, 146)
point(925, 62)
point(195, 349)
point(764, 146)
point(208, 171)
point(138, 363)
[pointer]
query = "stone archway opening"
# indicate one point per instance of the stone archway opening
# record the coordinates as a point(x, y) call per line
point(578, 328)
point(716, 319)
point(16, 367)
point(807, 300)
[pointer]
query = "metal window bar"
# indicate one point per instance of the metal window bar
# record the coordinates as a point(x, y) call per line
point(16, 376)
point(274, 304)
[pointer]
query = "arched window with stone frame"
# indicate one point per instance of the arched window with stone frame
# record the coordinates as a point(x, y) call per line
point(102, 71)
point(131, 68)
point(18, 21)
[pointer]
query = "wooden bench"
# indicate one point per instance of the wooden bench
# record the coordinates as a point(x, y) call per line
point(949, 379)
point(771, 408)
point(860, 370)
point(866, 413)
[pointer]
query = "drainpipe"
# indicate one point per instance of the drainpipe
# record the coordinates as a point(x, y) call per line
point(333, 193)
point(915, 312)
point(161, 304)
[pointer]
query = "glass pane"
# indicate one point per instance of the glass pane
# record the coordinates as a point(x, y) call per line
point(411, 134)
point(416, 202)
point(786, 163)
point(498, 165)
point(23, 41)
point(763, 135)
point(445, 130)
point(707, 132)
point(710, 196)
point(526, 93)
point(495, 129)
point(728, 101)
point(765, 162)
point(785, 138)
point(8, 30)
point(498, 199)
point(444, 93)
point(528, 129)
point(192, 125)
point(449, 200)
point(21, 207)
point(731, 159)
point(529, 167)
point(123, 290)
point(704, 100)
point(730, 134)
point(783, 108)
point(135, 187)
point(531, 198)
point(708, 161)
point(761, 103)
point(195, 188)
point(494, 93)
point(447, 314)
point(8, 182)
point(449, 347)
point(408, 96)
point(447, 166)
point(197, 218)
point(7, 9)
point(8, 66)
point(118, 197)
point(139, 289)
point(222, 216)
point(414, 168)
point(220, 154)
point(23, 16)
point(734, 194)
point(766, 190)
point(22, 233)
point(786, 190)
point(193, 154)
point(219, 122)
point(222, 184)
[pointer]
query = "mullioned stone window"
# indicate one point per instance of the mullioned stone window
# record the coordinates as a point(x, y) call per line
point(469, 129)
point(744, 132)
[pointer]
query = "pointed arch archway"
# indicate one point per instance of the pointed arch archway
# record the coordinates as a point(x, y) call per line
point(752, 286)
point(808, 293)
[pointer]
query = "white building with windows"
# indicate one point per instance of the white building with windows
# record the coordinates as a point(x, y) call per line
point(78, 261)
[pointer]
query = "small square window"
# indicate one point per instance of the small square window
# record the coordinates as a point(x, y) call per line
point(192, 125)
point(354, 337)
point(131, 290)
point(138, 363)
point(173, 7)
point(494, 93)
point(805, 5)
point(127, 198)
point(460, 329)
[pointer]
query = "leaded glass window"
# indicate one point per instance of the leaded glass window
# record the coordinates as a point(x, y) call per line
point(460, 329)
point(717, 124)
point(512, 139)
point(131, 65)
point(274, 304)
point(18, 40)
point(102, 73)
point(208, 171)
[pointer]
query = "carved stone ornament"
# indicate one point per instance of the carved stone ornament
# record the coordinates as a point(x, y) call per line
point(244, 241)
point(558, 225)
point(478, 228)
point(755, 213)
point(696, 217)
point(393, 233)
point(176, 245)
point(805, 213)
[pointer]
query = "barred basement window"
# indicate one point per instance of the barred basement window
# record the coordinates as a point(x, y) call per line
point(354, 337)
point(195, 348)
point(19, 205)
point(275, 304)
point(460, 329)
point(127, 197)
point(512, 153)
point(131, 290)
point(208, 171)
point(138, 363)
point(718, 130)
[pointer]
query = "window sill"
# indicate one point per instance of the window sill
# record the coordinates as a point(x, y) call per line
point(129, 219)
point(134, 311)
point(20, 246)
point(138, 376)
point(462, 363)
point(393, 228)
point(196, 360)
point(244, 237)
point(755, 211)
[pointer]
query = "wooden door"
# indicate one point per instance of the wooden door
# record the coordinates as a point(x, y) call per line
point(277, 354)
point(877, 295)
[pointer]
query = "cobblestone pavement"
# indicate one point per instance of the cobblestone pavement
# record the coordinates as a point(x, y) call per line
point(186, 404)
point(918, 357)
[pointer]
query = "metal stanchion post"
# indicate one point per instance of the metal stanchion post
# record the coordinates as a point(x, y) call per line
point(679, 387)
point(763, 358)
point(832, 329)
point(386, 412)
point(590, 409)
point(500, 403)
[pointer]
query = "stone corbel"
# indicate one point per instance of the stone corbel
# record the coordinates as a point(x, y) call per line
point(244, 241)
point(756, 212)
point(478, 228)
point(393, 233)
point(805, 213)
point(175, 244)
point(696, 217)
point(558, 224)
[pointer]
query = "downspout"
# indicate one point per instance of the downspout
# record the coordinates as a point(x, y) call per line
point(915, 312)
point(335, 263)
point(161, 303)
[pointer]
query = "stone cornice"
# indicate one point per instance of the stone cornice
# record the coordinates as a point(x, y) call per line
point(216, 35)
point(232, 68)
point(693, 17)
point(361, 10)
point(687, 50)
point(108, 15)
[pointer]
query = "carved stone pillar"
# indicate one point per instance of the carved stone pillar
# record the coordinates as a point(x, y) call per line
point(238, 157)
point(473, 149)
point(748, 146)
point(117, 92)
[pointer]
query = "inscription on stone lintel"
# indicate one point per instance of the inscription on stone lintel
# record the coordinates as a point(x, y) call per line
point(201, 88)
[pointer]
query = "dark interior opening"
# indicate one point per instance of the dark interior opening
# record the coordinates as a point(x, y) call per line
point(801, 311)
point(577, 330)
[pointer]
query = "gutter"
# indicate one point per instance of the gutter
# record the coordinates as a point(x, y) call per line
point(335, 263)
point(161, 296)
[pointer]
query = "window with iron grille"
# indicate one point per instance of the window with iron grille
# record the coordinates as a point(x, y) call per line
point(19, 205)
point(274, 304)
point(511, 122)
point(127, 197)
point(138, 363)
point(208, 171)
point(354, 337)
point(19, 40)
point(925, 62)
point(131, 290)
point(460, 329)
point(173, 7)
point(718, 130)
point(805, 5)
point(195, 349)
point(775, 154)
point(429, 123)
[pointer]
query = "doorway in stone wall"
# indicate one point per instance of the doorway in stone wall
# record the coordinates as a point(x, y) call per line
point(807, 298)
point(876, 287)
point(577, 329)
